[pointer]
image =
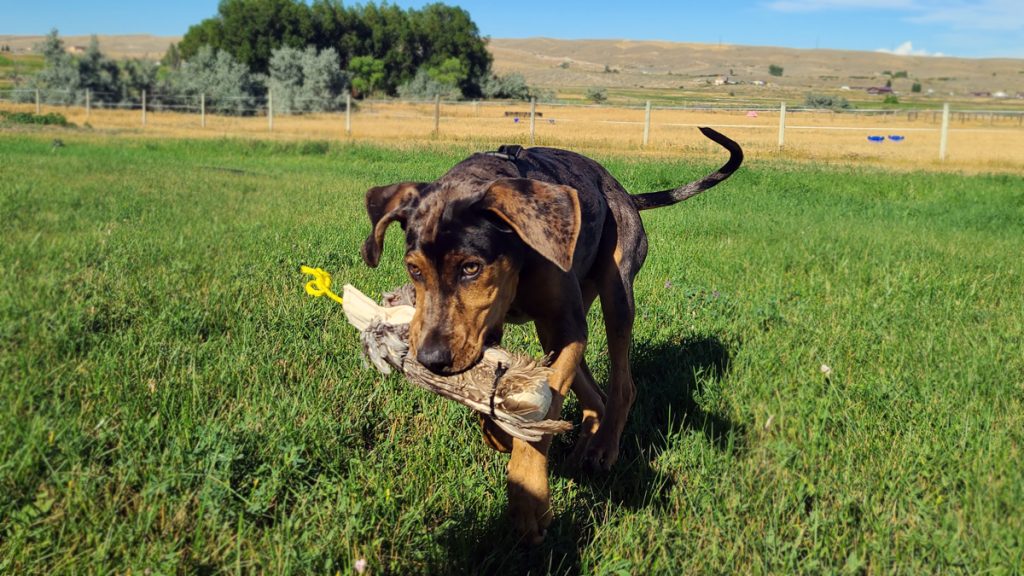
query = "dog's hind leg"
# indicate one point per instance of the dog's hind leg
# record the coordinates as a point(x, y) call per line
point(619, 309)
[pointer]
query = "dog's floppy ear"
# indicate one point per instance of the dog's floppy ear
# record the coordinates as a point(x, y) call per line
point(384, 205)
point(545, 216)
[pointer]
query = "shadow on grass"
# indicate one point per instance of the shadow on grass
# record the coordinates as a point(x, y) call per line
point(668, 378)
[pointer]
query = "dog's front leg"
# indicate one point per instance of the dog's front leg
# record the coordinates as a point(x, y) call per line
point(528, 493)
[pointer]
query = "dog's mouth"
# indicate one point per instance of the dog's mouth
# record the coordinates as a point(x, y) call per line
point(491, 340)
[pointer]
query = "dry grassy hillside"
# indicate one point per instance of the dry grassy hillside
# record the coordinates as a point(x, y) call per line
point(120, 46)
point(632, 65)
point(670, 65)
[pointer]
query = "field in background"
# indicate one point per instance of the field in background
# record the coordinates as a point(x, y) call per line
point(979, 141)
point(17, 66)
point(174, 403)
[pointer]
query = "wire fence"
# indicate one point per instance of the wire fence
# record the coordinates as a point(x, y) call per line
point(964, 138)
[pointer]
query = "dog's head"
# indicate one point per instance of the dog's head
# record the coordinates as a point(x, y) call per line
point(465, 245)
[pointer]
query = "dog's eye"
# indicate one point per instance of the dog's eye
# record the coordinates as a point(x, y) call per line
point(414, 271)
point(470, 270)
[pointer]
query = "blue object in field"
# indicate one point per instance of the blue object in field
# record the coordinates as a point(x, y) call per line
point(876, 138)
point(896, 137)
point(516, 120)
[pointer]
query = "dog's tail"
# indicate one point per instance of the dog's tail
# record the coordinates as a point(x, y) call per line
point(668, 197)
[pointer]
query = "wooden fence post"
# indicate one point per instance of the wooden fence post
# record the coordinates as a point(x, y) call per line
point(37, 101)
point(944, 134)
point(202, 110)
point(782, 126)
point(348, 114)
point(88, 103)
point(647, 123)
point(143, 108)
point(533, 121)
point(437, 115)
point(270, 111)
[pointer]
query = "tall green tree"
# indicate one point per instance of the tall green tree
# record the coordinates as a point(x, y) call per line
point(446, 32)
point(99, 74)
point(250, 30)
point(403, 41)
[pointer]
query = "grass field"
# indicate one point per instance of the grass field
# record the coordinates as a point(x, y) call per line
point(18, 66)
point(172, 402)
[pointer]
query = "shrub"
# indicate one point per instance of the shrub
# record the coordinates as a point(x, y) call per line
point(227, 84)
point(891, 99)
point(509, 87)
point(51, 119)
point(775, 70)
point(306, 81)
point(915, 87)
point(826, 101)
point(423, 85)
point(597, 95)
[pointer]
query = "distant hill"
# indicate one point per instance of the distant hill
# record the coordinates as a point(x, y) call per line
point(628, 64)
point(144, 46)
point(650, 64)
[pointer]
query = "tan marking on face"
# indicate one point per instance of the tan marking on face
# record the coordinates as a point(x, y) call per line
point(470, 310)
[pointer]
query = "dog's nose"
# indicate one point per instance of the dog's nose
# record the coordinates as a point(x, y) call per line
point(435, 357)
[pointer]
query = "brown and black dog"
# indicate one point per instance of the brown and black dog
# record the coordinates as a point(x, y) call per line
point(529, 234)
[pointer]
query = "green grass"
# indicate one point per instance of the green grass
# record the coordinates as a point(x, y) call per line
point(18, 65)
point(171, 400)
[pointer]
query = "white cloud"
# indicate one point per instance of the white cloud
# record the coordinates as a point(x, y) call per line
point(907, 49)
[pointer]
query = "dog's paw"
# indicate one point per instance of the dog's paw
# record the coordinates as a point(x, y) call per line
point(601, 452)
point(529, 511)
point(529, 501)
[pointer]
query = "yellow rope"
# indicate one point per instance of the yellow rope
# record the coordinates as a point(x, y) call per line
point(320, 285)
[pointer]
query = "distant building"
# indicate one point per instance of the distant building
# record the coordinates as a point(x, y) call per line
point(76, 50)
point(879, 90)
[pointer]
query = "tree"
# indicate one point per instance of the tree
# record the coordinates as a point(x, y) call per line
point(59, 80)
point(597, 95)
point(775, 70)
point(99, 74)
point(915, 87)
point(172, 58)
point(305, 80)
point(452, 71)
point(139, 75)
point(227, 84)
point(446, 32)
point(367, 73)
point(250, 30)
point(404, 41)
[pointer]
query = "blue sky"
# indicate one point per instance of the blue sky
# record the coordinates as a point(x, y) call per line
point(979, 28)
